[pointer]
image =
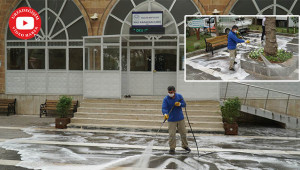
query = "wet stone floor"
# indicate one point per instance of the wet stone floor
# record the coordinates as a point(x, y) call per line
point(49, 150)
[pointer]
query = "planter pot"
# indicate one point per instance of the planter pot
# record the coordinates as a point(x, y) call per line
point(61, 123)
point(231, 129)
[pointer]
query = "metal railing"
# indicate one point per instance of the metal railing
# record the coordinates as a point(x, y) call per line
point(289, 108)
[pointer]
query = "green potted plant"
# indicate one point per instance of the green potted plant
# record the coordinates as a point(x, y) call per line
point(63, 107)
point(230, 113)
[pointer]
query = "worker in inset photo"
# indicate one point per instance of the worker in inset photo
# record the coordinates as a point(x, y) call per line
point(233, 40)
point(263, 29)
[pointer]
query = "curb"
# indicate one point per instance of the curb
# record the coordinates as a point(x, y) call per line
point(198, 52)
point(277, 33)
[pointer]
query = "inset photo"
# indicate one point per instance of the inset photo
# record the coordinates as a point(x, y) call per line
point(241, 48)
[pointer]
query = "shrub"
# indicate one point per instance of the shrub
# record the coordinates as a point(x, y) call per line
point(255, 54)
point(196, 45)
point(231, 110)
point(281, 57)
point(63, 106)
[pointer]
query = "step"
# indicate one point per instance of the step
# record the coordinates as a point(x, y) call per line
point(138, 123)
point(141, 111)
point(145, 106)
point(143, 128)
point(141, 116)
point(147, 101)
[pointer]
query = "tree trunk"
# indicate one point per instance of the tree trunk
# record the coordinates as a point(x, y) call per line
point(271, 43)
point(216, 26)
point(191, 31)
point(287, 27)
point(197, 33)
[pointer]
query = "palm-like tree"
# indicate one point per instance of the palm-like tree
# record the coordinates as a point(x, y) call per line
point(271, 42)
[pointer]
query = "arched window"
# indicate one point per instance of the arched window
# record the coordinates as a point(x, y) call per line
point(266, 7)
point(52, 61)
point(119, 20)
point(59, 39)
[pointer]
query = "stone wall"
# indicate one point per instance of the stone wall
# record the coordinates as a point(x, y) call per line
point(246, 118)
point(221, 5)
point(5, 6)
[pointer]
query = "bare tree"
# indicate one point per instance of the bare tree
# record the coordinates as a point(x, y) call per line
point(216, 26)
point(271, 42)
point(197, 30)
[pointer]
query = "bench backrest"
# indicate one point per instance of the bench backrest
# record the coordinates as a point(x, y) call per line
point(216, 39)
point(7, 101)
point(54, 103)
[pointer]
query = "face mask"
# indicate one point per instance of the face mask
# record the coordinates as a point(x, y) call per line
point(171, 95)
point(235, 31)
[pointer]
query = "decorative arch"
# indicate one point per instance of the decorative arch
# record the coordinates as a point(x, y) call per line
point(118, 19)
point(63, 17)
point(266, 7)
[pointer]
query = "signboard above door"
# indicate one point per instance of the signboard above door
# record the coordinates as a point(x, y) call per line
point(149, 19)
point(148, 22)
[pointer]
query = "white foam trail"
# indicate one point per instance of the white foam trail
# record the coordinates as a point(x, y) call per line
point(50, 157)
point(282, 41)
point(145, 157)
point(55, 166)
point(180, 165)
point(266, 61)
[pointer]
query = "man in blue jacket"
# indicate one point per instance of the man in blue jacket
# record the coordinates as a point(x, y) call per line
point(232, 42)
point(175, 118)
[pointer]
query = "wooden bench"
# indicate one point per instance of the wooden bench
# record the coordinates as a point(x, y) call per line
point(215, 42)
point(9, 105)
point(50, 105)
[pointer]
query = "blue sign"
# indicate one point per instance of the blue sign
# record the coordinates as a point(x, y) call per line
point(196, 23)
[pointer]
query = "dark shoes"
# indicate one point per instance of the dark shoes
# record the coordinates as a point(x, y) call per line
point(232, 69)
point(172, 151)
point(187, 149)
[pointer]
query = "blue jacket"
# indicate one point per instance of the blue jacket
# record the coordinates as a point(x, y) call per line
point(233, 40)
point(168, 103)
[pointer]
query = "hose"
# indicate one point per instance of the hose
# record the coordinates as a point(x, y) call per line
point(239, 33)
point(192, 131)
point(166, 119)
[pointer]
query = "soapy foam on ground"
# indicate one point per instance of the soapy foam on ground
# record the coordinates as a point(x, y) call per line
point(52, 166)
point(222, 64)
point(57, 157)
